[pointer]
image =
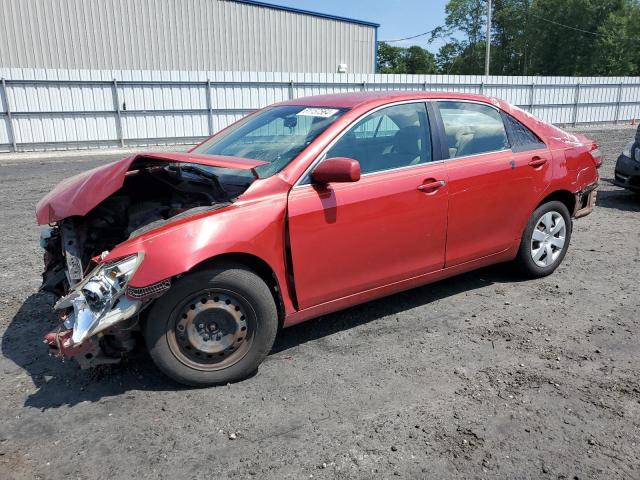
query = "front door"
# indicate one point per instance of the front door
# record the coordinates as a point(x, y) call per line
point(347, 238)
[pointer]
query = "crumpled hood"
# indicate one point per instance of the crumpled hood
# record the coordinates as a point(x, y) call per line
point(78, 195)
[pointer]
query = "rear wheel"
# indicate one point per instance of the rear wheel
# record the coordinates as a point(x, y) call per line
point(545, 240)
point(213, 326)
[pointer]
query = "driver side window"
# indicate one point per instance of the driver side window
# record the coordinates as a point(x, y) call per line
point(390, 138)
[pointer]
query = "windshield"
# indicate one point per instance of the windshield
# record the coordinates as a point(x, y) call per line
point(276, 135)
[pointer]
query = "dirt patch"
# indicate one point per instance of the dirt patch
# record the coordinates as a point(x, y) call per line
point(478, 376)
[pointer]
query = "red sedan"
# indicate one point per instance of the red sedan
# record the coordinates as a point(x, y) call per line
point(303, 208)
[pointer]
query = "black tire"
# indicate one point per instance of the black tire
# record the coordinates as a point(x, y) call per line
point(525, 260)
point(162, 335)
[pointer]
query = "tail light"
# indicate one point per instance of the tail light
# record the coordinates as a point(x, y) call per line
point(596, 154)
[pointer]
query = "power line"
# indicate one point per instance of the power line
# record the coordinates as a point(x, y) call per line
point(568, 26)
point(597, 34)
point(412, 37)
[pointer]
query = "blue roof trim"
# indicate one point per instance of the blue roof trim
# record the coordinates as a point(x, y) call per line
point(308, 12)
point(375, 54)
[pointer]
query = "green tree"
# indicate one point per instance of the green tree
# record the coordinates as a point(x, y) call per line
point(469, 18)
point(414, 60)
point(389, 58)
point(510, 46)
point(532, 37)
point(559, 50)
point(459, 58)
point(448, 55)
point(616, 49)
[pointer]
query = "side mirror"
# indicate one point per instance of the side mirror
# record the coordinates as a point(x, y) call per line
point(336, 170)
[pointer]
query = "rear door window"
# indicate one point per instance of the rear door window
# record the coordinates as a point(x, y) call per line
point(472, 128)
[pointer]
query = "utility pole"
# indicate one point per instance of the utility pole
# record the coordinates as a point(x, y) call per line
point(487, 58)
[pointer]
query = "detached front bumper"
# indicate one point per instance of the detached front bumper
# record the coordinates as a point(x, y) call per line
point(95, 307)
point(78, 335)
point(627, 174)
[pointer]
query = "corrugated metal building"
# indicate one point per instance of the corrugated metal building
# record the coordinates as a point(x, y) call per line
point(223, 35)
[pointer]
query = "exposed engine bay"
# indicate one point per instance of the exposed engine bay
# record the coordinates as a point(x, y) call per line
point(97, 309)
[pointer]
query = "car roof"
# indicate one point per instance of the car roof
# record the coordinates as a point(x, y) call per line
point(357, 99)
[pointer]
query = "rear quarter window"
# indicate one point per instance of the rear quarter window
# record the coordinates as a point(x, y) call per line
point(521, 137)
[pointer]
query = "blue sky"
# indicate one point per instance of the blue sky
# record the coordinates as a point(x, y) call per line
point(397, 18)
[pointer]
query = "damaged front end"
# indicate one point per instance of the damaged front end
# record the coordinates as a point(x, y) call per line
point(95, 304)
point(98, 315)
point(91, 214)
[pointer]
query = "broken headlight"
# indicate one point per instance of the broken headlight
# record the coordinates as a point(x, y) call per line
point(98, 300)
point(108, 281)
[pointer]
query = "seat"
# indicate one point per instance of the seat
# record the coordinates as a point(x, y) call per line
point(483, 139)
point(404, 151)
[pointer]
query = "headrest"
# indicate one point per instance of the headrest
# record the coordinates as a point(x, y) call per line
point(407, 140)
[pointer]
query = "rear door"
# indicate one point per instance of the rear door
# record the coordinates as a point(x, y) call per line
point(491, 187)
point(347, 238)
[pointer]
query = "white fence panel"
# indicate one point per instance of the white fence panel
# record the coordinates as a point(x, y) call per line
point(4, 132)
point(64, 109)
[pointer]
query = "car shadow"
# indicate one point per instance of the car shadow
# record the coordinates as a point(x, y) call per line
point(619, 199)
point(391, 305)
point(60, 383)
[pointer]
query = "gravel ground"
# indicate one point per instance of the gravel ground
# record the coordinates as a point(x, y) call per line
point(478, 376)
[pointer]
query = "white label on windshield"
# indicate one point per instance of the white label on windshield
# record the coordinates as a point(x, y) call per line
point(318, 112)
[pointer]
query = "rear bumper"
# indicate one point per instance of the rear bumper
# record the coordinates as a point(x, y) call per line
point(627, 174)
point(585, 201)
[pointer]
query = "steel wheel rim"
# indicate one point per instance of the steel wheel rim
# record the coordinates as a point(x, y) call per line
point(212, 330)
point(548, 239)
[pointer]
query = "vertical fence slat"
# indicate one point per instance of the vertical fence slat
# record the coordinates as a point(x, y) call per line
point(576, 103)
point(532, 97)
point(10, 130)
point(619, 102)
point(209, 108)
point(117, 111)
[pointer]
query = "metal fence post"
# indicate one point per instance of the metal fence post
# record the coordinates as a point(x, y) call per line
point(290, 89)
point(532, 97)
point(363, 87)
point(117, 111)
point(576, 103)
point(619, 102)
point(10, 130)
point(425, 86)
point(481, 88)
point(209, 108)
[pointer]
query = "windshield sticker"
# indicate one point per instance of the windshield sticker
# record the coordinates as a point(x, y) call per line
point(318, 112)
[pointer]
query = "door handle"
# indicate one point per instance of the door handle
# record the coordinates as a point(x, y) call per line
point(430, 186)
point(537, 162)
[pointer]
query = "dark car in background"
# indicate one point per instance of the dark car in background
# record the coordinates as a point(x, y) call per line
point(627, 173)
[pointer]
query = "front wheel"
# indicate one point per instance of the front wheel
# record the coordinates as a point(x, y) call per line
point(213, 327)
point(545, 239)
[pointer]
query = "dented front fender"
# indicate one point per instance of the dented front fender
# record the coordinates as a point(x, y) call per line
point(254, 227)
